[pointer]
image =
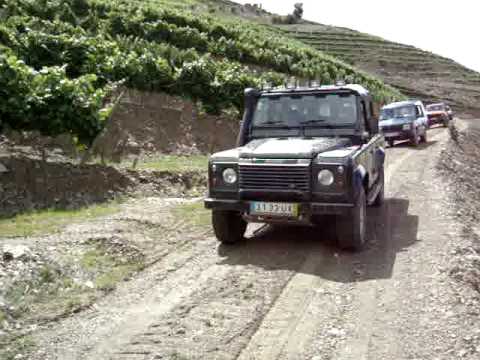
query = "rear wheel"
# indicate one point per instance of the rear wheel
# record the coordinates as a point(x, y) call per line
point(229, 226)
point(351, 228)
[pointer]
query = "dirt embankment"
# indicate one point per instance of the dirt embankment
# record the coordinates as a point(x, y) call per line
point(460, 166)
point(30, 182)
point(144, 123)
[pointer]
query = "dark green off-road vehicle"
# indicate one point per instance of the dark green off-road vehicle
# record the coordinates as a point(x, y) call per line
point(302, 153)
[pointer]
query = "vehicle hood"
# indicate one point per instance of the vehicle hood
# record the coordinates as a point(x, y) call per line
point(291, 148)
point(396, 121)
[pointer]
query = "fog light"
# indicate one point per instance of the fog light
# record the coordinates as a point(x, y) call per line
point(325, 177)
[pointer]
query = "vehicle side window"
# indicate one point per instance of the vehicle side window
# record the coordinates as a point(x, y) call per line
point(363, 115)
point(419, 111)
point(367, 111)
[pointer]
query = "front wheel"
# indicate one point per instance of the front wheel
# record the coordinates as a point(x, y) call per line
point(423, 138)
point(229, 226)
point(380, 199)
point(351, 228)
point(414, 139)
point(391, 143)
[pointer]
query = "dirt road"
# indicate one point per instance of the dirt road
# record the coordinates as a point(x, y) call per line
point(288, 293)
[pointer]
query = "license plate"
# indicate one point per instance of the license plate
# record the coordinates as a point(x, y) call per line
point(272, 208)
point(391, 134)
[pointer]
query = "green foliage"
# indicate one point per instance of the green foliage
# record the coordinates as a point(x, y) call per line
point(62, 56)
point(47, 100)
point(175, 163)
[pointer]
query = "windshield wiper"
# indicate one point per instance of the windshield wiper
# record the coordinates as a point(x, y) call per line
point(334, 126)
point(312, 122)
point(321, 124)
point(274, 122)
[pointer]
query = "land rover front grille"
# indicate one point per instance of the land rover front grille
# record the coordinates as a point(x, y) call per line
point(275, 177)
point(392, 128)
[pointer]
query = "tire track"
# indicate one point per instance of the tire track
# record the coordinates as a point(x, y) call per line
point(217, 319)
point(368, 294)
point(283, 318)
point(289, 326)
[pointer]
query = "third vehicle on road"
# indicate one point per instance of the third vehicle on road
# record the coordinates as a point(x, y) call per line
point(439, 114)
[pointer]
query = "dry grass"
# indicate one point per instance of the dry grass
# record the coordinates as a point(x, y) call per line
point(50, 221)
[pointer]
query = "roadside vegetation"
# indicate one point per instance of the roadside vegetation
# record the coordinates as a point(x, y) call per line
point(46, 222)
point(60, 60)
point(175, 163)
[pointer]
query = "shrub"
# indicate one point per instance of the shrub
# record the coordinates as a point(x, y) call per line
point(48, 101)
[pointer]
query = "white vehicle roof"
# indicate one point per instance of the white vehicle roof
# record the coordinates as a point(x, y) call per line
point(403, 103)
point(359, 89)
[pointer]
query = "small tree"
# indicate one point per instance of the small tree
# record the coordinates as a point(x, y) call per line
point(298, 11)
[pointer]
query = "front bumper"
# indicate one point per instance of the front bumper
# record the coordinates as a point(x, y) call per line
point(307, 209)
point(437, 120)
point(398, 135)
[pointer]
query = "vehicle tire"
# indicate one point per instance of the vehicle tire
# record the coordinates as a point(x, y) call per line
point(351, 228)
point(414, 139)
point(445, 123)
point(391, 143)
point(229, 226)
point(380, 199)
point(423, 138)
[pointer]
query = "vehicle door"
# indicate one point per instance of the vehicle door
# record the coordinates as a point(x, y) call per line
point(421, 121)
point(370, 163)
point(449, 112)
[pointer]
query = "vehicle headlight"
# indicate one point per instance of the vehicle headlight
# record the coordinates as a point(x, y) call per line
point(325, 177)
point(229, 176)
point(406, 127)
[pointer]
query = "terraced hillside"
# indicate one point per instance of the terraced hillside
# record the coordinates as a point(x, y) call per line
point(415, 72)
point(61, 59)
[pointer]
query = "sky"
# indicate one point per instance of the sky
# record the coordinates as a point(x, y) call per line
point(447, 28)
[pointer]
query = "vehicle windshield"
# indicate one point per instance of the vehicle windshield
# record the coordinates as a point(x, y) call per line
point(295, 111)
point(397, 112)
point(435, 108)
